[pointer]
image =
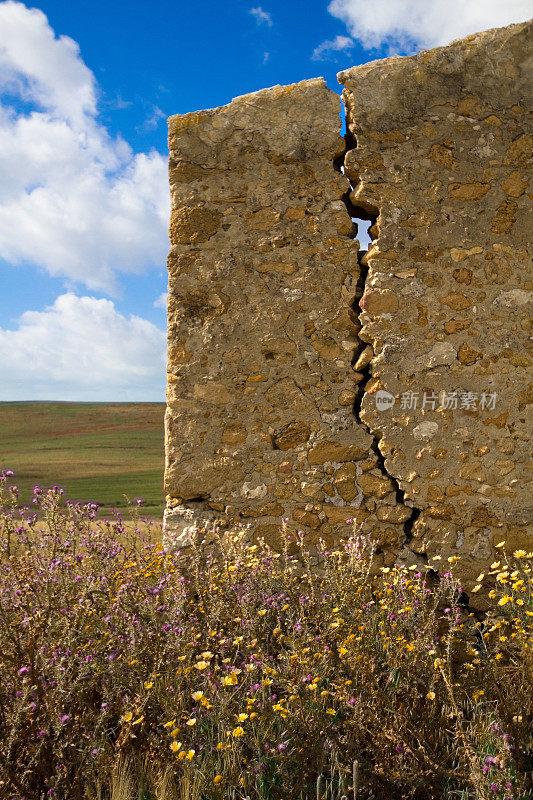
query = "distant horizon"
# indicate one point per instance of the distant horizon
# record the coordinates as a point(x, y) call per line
point(86, 402)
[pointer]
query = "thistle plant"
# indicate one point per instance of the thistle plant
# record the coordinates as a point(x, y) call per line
point(236, 671)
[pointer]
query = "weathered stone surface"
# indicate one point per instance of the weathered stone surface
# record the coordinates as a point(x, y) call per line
point(454, 148)
point(390, 391)
point(263, 273)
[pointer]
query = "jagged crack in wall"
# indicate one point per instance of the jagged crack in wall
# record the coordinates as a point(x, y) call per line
point(263, 273)
point(444, 151)
point(293, 359)
point(363, 353)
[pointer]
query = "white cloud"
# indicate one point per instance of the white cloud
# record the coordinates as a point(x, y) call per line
point(73, 199)
point(161, 301)
point(261, 17)
point(82, 349)
point(325, 49)
point(409, 25)
point(151, 122)
point(43, 69)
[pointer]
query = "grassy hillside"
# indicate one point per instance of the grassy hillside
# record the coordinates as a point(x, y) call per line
point(97, 452)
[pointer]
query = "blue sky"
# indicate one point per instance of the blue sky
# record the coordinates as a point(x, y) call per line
point(85, 90)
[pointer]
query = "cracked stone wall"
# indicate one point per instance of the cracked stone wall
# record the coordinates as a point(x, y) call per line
point(444, 150)
point(284, 339)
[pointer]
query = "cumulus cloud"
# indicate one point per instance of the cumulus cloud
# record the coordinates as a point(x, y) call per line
point(42, 68)
point(409, 25)
point(73, 199)
point(82, 349)
point(324, 50)
point(261, 17)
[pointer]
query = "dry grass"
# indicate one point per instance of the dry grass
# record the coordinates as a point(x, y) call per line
point(245, 673)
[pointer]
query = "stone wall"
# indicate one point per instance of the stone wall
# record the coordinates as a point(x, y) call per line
point(316, 383)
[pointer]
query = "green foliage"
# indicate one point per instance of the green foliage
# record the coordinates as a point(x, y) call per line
point(98, 452)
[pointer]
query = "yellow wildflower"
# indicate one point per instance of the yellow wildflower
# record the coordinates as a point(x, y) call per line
point(430, 696)
point(201, 665)
point(504, 600)
point(190, 755)
point(148, 684)
point(175, 746)
point(331, 711)
point(500, 544)
point(175, 732)
point(519, 554)
point(242, 717)
point(128, 717)
point(191, 722)
point(262, 612)
point(217, 779)
point(138, 721)
point(238, 732)
point(197, 696)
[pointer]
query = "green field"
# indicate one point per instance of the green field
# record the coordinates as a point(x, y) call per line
point(97, 452)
